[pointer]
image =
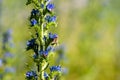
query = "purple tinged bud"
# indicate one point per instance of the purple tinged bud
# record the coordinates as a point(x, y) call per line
point(44, 53)
point(55, 36)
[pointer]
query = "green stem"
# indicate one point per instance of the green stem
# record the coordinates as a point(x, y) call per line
point(42, 48)
point(41, 44)
point(42, 75)
point(41, 35)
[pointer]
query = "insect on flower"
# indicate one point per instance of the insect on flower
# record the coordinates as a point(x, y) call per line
point(55, 39)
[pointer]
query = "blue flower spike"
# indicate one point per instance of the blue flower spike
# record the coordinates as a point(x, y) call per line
point(42, 42)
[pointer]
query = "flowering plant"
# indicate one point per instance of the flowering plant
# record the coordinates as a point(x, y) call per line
point(42, 18)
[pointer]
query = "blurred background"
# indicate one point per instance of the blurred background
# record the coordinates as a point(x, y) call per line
point(88, 32)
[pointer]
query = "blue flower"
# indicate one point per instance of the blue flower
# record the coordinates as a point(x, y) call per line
point(7, 36)
point(34, 12)
point(7, 54)
point(33, 22)
point(44, 38)
point(50, 7)
point(35, 56)
point(10, 70)
point(47, 18)
point(1, 62)
point(53, 19)
point(31, 75)
point(41, 52)
point(64, 71)
point(55, 68)
point(45, 75)
point(49, 48)
point(53, 36)
point(50, 18)
point(44, 53)
point(31, 44)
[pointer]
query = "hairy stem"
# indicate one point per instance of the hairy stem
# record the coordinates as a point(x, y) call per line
point(41, 44)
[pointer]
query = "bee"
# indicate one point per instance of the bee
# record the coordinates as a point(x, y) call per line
point(55, 41)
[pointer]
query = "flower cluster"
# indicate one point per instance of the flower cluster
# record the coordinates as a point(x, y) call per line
point(31, 44)
point(61, 58)
point(7, 39)
point(6, 56)
point(31, 75)
point(42, 17)
point(50, 18)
